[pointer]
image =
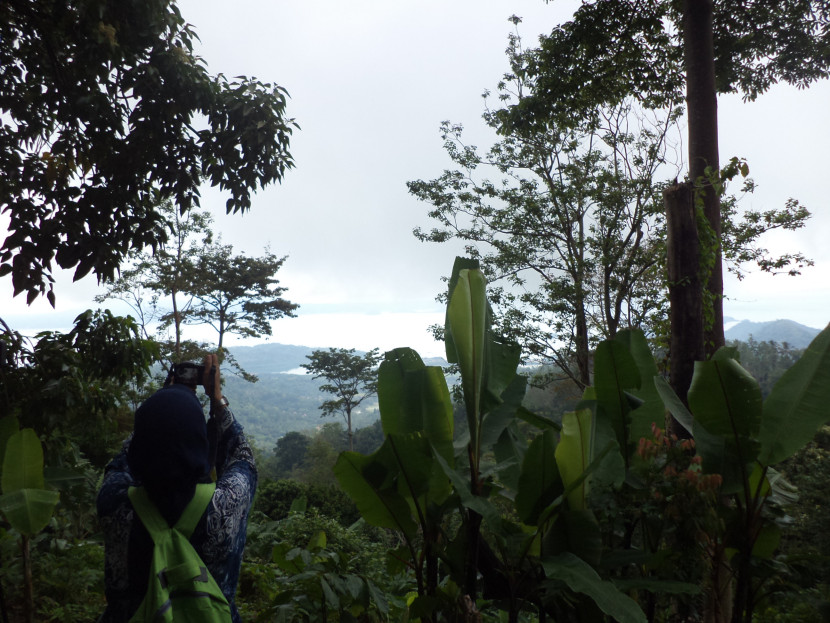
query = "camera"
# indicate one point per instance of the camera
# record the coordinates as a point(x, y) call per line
point(187, 373)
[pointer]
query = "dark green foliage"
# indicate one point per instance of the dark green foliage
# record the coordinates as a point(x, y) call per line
point(806, 543)
point(369, 438)
point(274, 499)
point(69, 578)
point(80, 386)
point(101, 101)
point(289, 562)
point(290, 452)
point(766, 361)
point(613, 49)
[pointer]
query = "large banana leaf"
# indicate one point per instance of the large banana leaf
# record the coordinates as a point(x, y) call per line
point(29, 510)
point(414, 398)
point(539, 481)
point(798, 404)
point(573, 454)
point(726, 401)
point(725, 398)
point(615, 373)
point(22, 462)
point(581, 578)
point(652, 410)
point(714, 450)
point(467, 324)
point(27, 505)
point(501, 360)
point(461, 263)
point(371, 481)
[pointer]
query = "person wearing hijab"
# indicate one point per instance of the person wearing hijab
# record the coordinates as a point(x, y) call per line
point(169, 454)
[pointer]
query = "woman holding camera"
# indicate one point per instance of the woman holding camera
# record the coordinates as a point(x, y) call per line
point(169, 453)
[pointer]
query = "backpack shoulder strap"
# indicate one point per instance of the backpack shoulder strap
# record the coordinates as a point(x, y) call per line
point(147, 512)
point(156, 524)
point(195, 508)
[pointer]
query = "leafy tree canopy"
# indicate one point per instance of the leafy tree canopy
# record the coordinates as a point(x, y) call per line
point(350, 378)
point(106, 112)
point(236, 293)
point(613, 49)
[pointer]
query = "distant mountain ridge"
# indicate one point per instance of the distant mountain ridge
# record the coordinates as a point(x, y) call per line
point(286, 400)
point(795, 334)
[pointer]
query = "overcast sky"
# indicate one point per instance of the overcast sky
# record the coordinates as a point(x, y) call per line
point(370, 82)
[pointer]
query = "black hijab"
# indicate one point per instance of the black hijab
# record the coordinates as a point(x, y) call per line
point(169, 450)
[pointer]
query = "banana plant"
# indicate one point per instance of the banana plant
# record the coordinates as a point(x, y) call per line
point(25, 501)
point(402, 485)
point(742, 437)
point(417, 480)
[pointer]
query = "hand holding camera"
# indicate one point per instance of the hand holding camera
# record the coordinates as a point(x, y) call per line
point(193, 375)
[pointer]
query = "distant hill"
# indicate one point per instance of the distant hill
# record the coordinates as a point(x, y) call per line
point(270, 358)
point(286, 400)
point(796, 335)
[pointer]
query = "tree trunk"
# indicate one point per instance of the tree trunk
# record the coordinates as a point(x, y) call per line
point(583, 353)
point(28, 594)
point(177, 327)
point(685, 293)
point(702, 111)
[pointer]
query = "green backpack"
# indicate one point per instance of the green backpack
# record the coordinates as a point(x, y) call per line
point(180, 587)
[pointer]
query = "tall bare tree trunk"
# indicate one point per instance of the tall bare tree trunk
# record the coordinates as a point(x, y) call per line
point(702, 110)
point(685, 293)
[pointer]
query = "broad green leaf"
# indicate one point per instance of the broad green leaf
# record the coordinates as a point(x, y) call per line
point(502, 361)
point(467, 322)
point(767, 542)
point(725, 399)
point(317, 541)
point(581, 578)
point(420, 479)
point(391, 387)
point(371, 482)
point(539, 481)
point(414, 398)
point(461, 263)
point(615, 372)
point(726, 402)
point(576, 532)
point(715, 451)
point(496, 420)
point(29, 510)
point(652, 409)
point(612, 469)
point(61, 475)
point(798, 404)
point(23, 462)
point(576, 485)
point(573, 454)
point(674, 404)
point(299, 505)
